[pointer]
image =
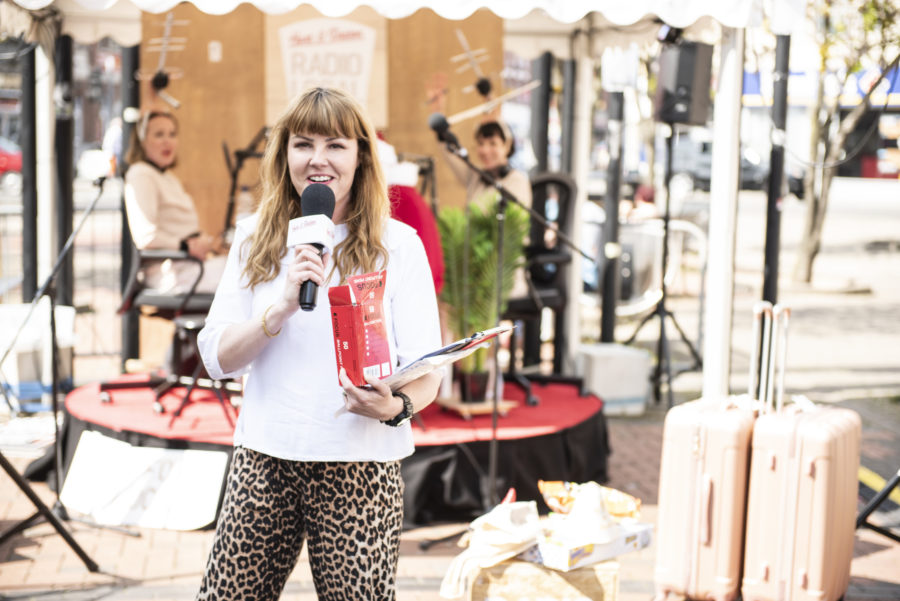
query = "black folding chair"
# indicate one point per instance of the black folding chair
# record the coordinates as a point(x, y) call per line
point(547, 263)
point(187, 311)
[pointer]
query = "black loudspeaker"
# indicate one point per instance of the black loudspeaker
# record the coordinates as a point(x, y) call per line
point(682, 90)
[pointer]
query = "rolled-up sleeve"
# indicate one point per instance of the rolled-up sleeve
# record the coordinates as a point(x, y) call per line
point(233, 303)
point(414, 308)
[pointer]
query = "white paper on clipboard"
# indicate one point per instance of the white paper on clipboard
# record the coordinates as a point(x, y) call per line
point(443, 356)
point(440, 357)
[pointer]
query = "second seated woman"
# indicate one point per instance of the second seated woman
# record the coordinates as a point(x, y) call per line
point(494, 147)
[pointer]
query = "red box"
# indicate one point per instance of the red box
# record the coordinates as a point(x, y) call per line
point(360, 336)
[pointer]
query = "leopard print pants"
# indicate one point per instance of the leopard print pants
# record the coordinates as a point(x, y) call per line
point(351, 514)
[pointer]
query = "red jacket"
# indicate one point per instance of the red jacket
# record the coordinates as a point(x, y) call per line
point(408, 206)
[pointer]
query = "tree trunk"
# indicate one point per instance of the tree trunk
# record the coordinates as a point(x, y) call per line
point(818, 198)
point(809, 244)
point(812, 194)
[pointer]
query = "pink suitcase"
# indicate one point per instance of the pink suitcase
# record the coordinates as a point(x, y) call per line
point(702, 491)
point(801, 508)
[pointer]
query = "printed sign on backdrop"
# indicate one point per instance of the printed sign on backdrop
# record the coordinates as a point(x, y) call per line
point(328, 52)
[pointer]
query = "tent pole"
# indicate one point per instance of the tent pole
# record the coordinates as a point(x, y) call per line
point(64, 141)
point(776, 168)
point(28, 139)
point(581, 152)
point(131, 99)
point(723, 215)
point(609, 275)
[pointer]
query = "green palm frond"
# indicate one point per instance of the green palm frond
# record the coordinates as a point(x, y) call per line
point(470, 285)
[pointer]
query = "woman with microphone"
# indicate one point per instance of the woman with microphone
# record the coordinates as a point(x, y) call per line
point(316, 459)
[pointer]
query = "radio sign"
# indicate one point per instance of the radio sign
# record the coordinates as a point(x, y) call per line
point(328, 53)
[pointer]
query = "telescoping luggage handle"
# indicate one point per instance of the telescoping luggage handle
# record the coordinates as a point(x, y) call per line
point(770, 329)
point(774, 359)
point(781, 317)
point(759, 358)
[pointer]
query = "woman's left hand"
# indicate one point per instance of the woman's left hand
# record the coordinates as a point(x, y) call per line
point(378, 402)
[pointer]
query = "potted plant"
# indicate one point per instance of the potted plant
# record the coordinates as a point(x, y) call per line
point(470, 279)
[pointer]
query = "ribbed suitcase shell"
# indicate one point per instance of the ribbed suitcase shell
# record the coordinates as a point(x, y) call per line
point(702, 494)
point(801, 505)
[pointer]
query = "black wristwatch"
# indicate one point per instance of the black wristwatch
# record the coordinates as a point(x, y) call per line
point(405, 414)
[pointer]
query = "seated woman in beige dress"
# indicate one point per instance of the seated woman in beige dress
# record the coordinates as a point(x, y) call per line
point(161, 214)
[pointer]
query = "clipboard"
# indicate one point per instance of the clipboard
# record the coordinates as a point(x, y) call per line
point(443, 356)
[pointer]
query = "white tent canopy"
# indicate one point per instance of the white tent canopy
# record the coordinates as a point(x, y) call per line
point(554, 22)
point(783, 15)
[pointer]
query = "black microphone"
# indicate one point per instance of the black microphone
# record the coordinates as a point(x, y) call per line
point(317, 199)
point(441, 127)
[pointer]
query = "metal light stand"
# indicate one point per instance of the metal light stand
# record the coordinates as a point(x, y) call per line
point(42, 512)
point(59, 512)
point(663, 352)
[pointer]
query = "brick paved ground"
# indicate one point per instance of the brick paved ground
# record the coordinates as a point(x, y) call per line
point(168, 565)
point(843, 350)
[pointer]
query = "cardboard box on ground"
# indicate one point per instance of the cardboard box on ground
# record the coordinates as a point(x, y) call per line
point(515, 580)
point(618, 374)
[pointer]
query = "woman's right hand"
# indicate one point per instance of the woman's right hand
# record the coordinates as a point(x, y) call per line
point(199, 246)
point(308, 265)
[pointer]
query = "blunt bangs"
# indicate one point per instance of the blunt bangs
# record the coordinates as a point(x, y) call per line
point(324, 113)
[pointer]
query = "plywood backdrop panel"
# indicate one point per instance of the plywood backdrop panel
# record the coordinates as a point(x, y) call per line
point(221, 100)
point(276, 89)
point(231, 99)
point(420, 48)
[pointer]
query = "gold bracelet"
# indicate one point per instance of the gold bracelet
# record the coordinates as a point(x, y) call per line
point(265, 329)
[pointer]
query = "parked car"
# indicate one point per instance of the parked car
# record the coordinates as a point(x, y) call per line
point(796, 181)
point(10, 165)
point(692, 165)
point(694, 160)
point(597, 185)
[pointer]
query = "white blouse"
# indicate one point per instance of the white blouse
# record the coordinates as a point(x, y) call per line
point(292, 395)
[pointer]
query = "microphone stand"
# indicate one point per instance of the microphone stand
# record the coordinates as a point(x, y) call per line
point(506, 197)
point(59, 512)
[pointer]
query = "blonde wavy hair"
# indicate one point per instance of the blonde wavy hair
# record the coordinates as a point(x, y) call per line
point(328, 112)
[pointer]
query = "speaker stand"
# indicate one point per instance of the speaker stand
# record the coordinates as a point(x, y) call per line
point(663, 352)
